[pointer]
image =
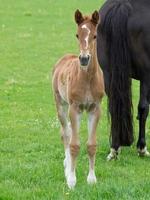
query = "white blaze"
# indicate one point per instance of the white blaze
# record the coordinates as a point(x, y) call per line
point(88, 33)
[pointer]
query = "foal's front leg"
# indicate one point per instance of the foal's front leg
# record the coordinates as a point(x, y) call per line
point(93, 119)
point(74, 114)
point(62, 111)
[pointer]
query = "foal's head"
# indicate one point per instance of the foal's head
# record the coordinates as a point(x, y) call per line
point(86, 34)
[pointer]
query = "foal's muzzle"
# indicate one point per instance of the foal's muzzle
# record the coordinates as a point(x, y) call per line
point(84, 60)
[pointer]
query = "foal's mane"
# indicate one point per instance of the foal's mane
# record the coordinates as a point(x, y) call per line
point(87, 18)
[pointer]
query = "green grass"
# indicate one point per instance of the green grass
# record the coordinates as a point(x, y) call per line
point(34, 34)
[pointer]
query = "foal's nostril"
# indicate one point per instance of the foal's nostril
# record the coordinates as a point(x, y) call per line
point(88, 57)
point(79, 57)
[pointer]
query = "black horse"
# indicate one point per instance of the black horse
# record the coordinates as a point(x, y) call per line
point(123, 49)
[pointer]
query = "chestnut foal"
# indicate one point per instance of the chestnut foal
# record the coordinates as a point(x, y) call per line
point(78, 85)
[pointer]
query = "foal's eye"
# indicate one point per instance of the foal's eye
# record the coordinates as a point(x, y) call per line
point(94, 36)
point(77, 35)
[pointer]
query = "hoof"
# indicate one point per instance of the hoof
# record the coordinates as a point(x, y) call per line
point(91, 179)
point(143, 152)
point(113, 155)
point(71, 181)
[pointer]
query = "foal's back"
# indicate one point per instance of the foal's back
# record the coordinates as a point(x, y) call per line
point(64, 68)
point(66, 64)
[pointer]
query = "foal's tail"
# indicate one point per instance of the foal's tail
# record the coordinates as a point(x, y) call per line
point(114, 28)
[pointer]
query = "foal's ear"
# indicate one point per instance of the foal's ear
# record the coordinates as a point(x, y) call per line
point(78, 17)
point(95, 17)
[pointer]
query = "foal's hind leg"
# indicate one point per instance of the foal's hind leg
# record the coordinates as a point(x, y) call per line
point(143, 110)
point(93, 119)
point(62, 110)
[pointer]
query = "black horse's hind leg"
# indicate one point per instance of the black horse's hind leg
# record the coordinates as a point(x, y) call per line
point(115, 148)
point(114, 141)
point(143, 110)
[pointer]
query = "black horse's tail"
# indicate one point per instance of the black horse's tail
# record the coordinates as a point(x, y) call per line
point(114, 29)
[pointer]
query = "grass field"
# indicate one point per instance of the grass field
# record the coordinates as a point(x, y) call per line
point(34, 34)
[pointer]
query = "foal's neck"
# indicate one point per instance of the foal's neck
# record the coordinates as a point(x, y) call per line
point(93, 65)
